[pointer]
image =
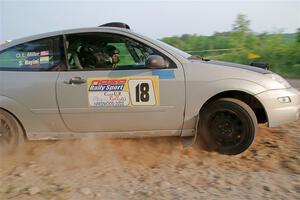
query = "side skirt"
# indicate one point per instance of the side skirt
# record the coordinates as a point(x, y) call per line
point(124, 134)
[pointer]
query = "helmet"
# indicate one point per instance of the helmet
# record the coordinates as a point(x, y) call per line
point(99, 56)
point(89, 55)
point(113, 54)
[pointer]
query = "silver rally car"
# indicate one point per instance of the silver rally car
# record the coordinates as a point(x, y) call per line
point(110, 81)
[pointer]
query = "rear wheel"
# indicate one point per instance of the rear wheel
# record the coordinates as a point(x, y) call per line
point(227, 126)
point(11, 133)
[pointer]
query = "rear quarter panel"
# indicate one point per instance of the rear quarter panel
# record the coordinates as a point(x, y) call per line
point(31, 98)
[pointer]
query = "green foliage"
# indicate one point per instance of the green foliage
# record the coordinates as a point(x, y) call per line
point(298, 35)
point(281, 51)
point(241, 24)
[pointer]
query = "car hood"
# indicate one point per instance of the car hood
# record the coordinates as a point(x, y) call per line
point(236, 65)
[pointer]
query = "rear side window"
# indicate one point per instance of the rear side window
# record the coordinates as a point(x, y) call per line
point(40, 55)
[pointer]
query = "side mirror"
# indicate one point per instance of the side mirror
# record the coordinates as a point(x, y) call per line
point(155, 62)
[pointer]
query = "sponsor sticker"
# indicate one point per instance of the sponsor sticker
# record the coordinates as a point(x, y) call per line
point(128, 91)
point(44, 53)
point(44, 59)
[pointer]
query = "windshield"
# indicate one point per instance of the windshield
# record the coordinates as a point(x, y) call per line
point(167, 46)
point(175, 50)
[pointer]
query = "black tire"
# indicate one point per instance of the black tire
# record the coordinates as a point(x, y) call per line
point(11, 133)
point(227, 126)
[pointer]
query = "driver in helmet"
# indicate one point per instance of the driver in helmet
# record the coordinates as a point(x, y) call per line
point(102, 57)
point(112, 56)
point(92, 56)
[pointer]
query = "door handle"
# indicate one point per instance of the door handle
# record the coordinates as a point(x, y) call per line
point(75, 81)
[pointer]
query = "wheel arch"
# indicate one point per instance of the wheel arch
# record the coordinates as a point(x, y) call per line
point(245, 97)
point(17, 119)
point(22, 114)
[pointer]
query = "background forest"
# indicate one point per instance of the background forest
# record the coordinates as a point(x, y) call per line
point(241, 45)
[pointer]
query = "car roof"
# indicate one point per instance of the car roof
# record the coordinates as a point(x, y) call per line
point(62, 32)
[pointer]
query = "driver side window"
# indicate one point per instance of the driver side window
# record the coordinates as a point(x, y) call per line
point(103, 51)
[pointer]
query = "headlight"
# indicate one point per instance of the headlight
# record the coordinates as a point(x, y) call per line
point(279, 79)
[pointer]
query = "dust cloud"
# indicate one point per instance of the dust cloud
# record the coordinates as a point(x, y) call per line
point(88, 152)
point(153, 168)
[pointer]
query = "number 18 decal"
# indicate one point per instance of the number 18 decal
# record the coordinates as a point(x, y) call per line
point(142, 92)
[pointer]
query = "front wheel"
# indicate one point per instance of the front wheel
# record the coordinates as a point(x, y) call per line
point(227, 126)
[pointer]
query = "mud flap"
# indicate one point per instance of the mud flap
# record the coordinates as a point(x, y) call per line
point(190, 140)
point(187, 141)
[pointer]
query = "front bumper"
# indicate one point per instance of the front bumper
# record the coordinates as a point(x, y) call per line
point(280, 113)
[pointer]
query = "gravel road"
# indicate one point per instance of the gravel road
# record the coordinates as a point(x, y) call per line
point(153, 169)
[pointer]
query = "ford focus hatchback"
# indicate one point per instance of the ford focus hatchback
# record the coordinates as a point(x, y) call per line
point(110, 81)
